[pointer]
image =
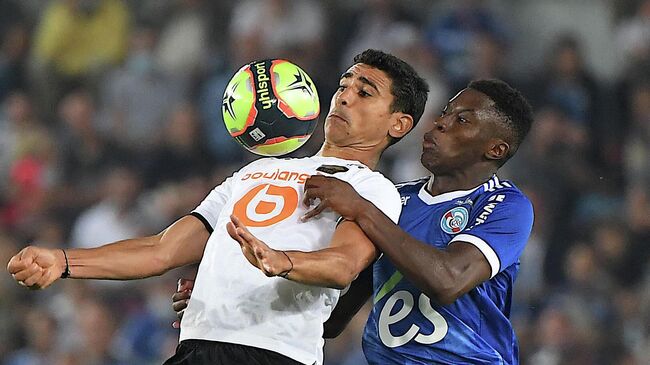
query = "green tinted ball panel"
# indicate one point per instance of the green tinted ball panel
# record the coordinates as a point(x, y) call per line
point(238, 99)
point(296, 89)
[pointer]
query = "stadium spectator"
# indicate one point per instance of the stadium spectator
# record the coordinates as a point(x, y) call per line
point(95, 328)
point(32, 170)
point(138, 97)
point(488, 55)
point(633, 35)
point(637, 160)
point(40, 330)
point(115, 216)
point(12, 303)
point(182, 153)
point(454, 32)
point(84, 155)
point(76, 41)
point(14, 43)
point(297, 25)
point(371, 21)
point(17, 121)
point(183, 47)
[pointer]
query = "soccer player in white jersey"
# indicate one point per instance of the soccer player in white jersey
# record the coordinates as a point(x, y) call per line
point(237, 314)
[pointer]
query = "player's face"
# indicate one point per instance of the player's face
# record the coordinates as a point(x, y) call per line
point(360, 112)
point(461, 135)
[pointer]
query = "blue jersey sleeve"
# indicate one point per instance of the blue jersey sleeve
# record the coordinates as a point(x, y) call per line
point(499, 227)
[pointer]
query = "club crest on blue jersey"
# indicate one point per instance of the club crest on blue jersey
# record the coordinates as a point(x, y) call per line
point(454, 220)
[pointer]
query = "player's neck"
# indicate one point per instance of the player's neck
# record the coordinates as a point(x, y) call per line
point(368, 157)
point(460, 180)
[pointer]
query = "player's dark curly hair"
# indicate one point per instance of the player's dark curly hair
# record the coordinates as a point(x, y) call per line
point(409, 89)
point(516, 112)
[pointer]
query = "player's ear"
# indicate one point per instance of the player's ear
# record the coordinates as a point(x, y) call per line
point(402, 124)
point(497, 149)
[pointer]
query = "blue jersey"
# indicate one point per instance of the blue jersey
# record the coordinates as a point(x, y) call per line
point(405, 327)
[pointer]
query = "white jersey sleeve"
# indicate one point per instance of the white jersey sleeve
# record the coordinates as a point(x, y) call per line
point(210, 208)
point(381, 192)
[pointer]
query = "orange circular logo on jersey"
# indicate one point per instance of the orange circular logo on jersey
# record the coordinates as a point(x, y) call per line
point(266, 204)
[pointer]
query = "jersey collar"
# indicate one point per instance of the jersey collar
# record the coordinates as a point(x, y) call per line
point(342, 160)
point(429, 199)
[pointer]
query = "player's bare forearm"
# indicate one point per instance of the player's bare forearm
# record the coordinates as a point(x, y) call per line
point(123, 260)
point(349, 253)
point(180, 244)
point(443, 275)
point(331, 267)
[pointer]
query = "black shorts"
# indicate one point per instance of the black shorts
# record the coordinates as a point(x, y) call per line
point(200, 352)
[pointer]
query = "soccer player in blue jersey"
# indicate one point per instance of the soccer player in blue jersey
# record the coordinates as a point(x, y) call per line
point(442, 288)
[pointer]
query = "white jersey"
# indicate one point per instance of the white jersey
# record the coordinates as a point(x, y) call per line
point(232, 300)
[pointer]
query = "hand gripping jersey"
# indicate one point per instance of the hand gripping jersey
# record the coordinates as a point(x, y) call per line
point(406, 327)
point(233, 301)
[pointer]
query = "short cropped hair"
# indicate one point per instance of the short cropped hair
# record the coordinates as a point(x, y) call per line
point(408, 88)
point(516, 112)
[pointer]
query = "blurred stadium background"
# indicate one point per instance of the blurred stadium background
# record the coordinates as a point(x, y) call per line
point(110, 127)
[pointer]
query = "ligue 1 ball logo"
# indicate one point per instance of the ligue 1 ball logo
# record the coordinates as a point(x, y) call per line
point(454, 220)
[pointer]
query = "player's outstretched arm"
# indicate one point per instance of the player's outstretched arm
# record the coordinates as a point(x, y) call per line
point(442, 275)
point(350, 252)
point(180, 244)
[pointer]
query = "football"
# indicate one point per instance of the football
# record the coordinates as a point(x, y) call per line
point(271, 107)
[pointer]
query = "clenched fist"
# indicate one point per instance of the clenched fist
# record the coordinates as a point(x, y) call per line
point(37, 268)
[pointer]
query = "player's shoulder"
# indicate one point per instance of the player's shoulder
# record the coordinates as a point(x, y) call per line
point(497, 190)
point(350, 170)
point(363, 178)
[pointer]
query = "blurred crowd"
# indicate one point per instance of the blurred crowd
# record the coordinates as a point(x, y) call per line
point(110, 128)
